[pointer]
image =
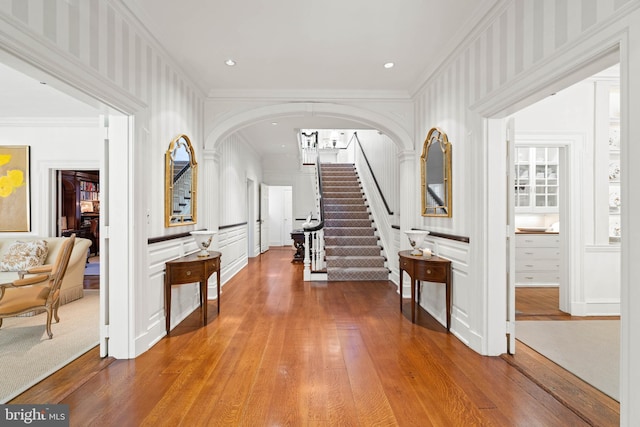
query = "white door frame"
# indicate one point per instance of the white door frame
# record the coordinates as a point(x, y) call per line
point(571, 152)
point(251, 218)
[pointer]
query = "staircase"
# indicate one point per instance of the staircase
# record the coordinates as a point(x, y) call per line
point(352, 250)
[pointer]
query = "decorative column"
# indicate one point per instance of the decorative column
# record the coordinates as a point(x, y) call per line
point(409, 208)
point(209, 191)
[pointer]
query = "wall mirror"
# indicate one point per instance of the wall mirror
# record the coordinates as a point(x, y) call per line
point(435, 174)
point(181, 173)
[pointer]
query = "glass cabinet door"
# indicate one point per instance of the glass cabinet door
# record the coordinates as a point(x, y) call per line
point(536, 180)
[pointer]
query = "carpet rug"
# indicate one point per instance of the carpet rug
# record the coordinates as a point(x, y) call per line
point(92, 269)
point(27, 355)
point(589, 349)
point(351, 244)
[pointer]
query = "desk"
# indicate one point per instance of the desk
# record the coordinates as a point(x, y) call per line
point(434, 269)
point(191, 269)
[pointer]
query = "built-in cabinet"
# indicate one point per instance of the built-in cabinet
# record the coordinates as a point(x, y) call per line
point(536, 179)
point(80, 205)
point(537, 259)
point(614, 163)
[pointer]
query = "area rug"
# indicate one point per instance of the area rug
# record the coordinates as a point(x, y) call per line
point(589, 349)
point(92, 269)
point(27, 355)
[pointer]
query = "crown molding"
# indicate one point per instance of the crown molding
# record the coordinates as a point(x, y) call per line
point(140, 21)
point(467, 33)
point(50, 121)
point(306, 95)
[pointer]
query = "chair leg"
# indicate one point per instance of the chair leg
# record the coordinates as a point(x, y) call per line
point(49, 315)
point(1, 322)
point(55, 311)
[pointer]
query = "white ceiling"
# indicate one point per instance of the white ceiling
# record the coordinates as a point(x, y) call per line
point(24, 96)
point(308, 45)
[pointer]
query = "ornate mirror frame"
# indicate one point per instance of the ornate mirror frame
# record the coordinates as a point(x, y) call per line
point(435, 174)
point(180, 170)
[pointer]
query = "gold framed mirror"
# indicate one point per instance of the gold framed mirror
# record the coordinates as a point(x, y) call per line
point(181, 173)
point(435, 174)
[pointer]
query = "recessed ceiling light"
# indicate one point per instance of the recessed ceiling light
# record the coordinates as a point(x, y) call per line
point(274, 123)
point(230, 62)
point(389, 65)
point(284, 146)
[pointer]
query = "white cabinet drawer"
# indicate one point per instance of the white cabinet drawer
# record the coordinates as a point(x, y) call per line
point(537, 253)
point(537, 277)
point(538, 265)
point(537, 240)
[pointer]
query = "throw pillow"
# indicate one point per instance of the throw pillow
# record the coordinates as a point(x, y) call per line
point(24, 255)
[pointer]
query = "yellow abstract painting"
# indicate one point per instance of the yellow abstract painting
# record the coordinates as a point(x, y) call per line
point(15, 212)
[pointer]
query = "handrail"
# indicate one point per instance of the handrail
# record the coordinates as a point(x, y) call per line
point(319, 225)
point(386, 205)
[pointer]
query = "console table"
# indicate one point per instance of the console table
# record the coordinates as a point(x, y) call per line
point(434, 269)
point(298, 242)
point(191, 269)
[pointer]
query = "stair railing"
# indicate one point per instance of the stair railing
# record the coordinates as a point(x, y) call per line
point(314, 252)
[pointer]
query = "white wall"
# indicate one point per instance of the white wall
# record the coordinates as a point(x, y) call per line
point(237, 163)
point(302, 181)
point(60, 143)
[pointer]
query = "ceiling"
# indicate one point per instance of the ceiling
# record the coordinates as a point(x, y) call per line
point(300, 45)
point(24, 96)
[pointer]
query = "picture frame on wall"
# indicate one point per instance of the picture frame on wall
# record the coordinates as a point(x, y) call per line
point(15, 209)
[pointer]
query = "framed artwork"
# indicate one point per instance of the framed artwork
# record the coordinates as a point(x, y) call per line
point(15, 211)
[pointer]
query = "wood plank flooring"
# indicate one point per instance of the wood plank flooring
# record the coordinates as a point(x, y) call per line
point(541, 303)
point(287, 352)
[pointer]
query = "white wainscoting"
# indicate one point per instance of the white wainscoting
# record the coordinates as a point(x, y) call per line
point(231, 242)
point(433, 295)
point(184, 298)
point(601, 282)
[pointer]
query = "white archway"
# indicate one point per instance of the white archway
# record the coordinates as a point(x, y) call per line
point(368, 118)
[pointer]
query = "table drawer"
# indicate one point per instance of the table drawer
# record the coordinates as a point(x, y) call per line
point(431, 272)
point(213, 264)
point(185, 273)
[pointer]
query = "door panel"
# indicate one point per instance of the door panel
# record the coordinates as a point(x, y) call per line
point(264, 218)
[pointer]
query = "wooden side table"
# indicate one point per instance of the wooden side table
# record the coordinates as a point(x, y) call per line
point(191, 269)
point(434, 269)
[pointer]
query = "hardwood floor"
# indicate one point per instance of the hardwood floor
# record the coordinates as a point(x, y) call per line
point(541, 303)
point(288, 352)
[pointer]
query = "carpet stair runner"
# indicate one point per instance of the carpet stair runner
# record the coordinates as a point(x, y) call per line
point(352, 249)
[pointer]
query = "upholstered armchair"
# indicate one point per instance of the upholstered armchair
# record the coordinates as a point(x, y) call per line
point(37, 289)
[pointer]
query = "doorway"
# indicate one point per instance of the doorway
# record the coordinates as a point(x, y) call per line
point(280, 213)
point(251, 221)
point(586, 172)
point(78, 212)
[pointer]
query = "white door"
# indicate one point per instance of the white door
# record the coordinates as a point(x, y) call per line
point(264, 218)
point(287, 222)
point(115, 235)
point(511, 237)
